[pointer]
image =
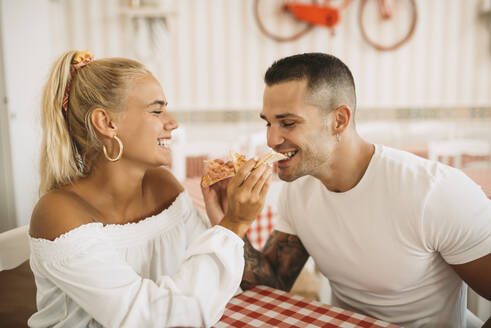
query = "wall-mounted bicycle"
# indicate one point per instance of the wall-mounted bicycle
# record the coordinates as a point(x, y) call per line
point(384, 24)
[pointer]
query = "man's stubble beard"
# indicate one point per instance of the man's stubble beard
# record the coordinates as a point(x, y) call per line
point(304, 167)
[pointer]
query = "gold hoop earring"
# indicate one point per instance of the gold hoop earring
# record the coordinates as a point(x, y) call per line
point(338, 137)
point(120, 151)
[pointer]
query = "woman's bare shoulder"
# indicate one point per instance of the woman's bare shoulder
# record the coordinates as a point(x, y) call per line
point(58, 212)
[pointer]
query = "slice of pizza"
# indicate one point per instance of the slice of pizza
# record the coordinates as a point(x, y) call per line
point(217, 170)
point(271, 158)
point(238, 159)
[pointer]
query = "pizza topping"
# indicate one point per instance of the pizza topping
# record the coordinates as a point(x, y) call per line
point(238, 160)
point(217, 170)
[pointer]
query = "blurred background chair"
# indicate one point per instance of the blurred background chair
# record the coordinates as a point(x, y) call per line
point(461, 153)
point(195, 166)
point(14, 248)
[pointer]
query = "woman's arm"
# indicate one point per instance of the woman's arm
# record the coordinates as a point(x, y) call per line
point(86, 268)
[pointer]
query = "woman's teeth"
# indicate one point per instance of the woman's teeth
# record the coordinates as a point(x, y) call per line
point(164, 142)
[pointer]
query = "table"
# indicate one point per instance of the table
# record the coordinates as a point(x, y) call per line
point(264, 306)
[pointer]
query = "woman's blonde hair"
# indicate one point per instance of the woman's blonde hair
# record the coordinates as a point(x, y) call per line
point(69, 143)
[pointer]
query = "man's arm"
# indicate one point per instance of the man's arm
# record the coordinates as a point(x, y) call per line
point(279, 264)
point(477, 275)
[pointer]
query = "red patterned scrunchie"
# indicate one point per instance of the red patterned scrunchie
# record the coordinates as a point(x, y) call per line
point(80, 59)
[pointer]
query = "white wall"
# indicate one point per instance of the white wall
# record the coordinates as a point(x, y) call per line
point(215, 56)
point(7, 203)
point(27, 55)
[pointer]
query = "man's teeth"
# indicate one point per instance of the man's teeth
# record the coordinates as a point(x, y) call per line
point(164, 142)
point(290, 154)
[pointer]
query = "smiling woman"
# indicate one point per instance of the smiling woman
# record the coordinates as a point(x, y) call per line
point(146, 125)
point(114, 239)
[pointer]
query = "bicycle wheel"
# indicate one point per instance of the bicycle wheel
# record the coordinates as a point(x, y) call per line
point(276, 22)
point(387, 27)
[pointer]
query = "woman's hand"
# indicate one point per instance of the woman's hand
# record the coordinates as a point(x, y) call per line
point(216, 200)
point(246, 193)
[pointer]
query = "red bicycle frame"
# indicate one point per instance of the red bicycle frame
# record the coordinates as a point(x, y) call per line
point(314, 14)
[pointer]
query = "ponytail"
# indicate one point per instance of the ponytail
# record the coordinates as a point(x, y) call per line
point(57, 163)
point(70, 144)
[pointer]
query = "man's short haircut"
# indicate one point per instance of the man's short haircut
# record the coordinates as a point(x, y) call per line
point(329, 81)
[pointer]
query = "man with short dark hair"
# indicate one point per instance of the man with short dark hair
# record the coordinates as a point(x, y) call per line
point(395, 234)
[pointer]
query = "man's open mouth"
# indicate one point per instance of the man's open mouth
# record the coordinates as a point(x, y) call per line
point(289, 154)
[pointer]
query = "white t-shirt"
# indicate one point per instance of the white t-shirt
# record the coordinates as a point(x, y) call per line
point(384, 245)
point(165, 271)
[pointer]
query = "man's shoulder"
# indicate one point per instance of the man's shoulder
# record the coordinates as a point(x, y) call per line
point(419, 178)
point(398, 164)
point(398, 157)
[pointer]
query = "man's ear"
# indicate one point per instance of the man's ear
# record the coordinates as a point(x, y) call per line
point(342, 118)
point(103, 123)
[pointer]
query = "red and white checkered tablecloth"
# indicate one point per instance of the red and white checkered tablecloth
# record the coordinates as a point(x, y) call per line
point(263, 306)
point(260, 229)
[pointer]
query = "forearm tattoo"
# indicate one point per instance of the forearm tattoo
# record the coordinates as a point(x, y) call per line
point(279, 264)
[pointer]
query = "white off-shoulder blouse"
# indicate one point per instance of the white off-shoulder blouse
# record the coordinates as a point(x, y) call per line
point(167, 270)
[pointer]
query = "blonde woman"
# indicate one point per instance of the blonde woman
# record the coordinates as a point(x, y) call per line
point(115, 240)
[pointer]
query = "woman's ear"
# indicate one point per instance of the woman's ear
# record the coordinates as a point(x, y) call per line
point(342, 118)
point(103, 123)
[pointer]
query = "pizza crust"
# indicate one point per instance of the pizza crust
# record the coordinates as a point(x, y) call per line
point(271, 158)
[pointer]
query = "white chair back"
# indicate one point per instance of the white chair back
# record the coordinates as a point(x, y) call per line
point(460, 153)
point(14, 247)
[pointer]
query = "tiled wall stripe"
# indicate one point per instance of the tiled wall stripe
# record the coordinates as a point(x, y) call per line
point(362, 115)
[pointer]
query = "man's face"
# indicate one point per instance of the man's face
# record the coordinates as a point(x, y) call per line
point(297, 129)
